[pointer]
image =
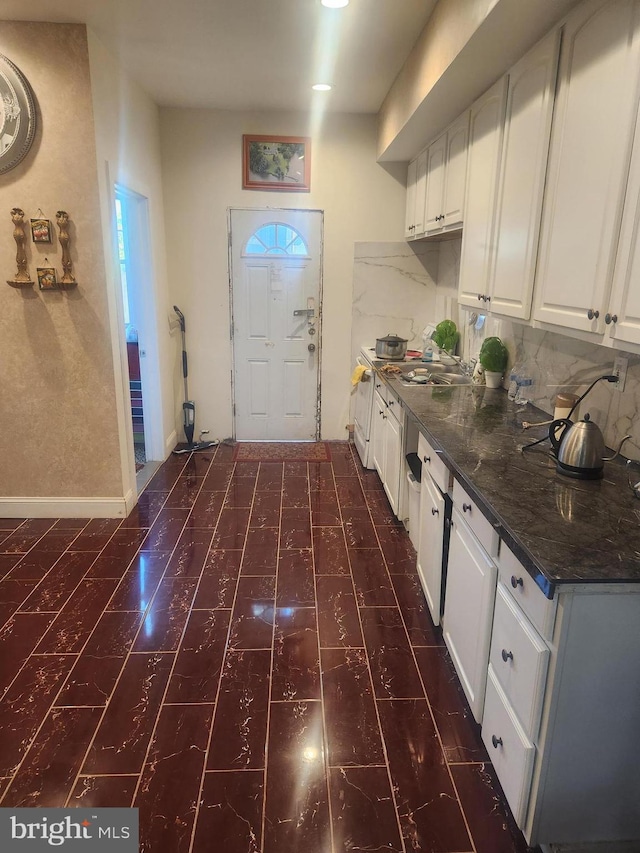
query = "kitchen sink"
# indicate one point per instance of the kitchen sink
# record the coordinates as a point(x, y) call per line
point(440, 378)
point(436, 373)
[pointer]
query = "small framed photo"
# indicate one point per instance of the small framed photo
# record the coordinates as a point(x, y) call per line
point(41, 230)
point(47, 278)
point(276, 163)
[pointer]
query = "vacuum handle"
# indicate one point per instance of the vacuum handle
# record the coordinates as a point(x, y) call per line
point(180, 318)
point(185, 372)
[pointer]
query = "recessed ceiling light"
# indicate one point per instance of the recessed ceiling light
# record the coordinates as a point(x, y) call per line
point(335, 4)
point(321, 87)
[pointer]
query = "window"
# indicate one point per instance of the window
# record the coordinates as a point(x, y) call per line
point(122, 255)
point(276, 239)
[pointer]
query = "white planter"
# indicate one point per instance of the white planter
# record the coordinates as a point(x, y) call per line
point(492, 380)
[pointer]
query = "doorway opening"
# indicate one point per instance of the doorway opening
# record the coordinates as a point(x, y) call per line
point(134, 263)
point(276, 303)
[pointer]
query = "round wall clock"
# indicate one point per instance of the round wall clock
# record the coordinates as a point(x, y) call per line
point(17, 115)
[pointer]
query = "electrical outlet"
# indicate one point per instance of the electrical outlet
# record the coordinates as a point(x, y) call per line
point(620, 366)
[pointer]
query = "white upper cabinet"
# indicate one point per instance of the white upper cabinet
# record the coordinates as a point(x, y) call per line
point(483, 163)
point(436, 158)
point(456, 173)
point(416, 188)
point(591, 139)
point(622, 319)
point(409, 219)
point(446, 174)
point(421, 186)
point(525, 149)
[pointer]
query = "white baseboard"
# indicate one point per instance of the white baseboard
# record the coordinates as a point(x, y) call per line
point(66, 507)
point(170, 443)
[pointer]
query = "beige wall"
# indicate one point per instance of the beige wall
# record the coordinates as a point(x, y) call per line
point(202, 169)
point(58, 429)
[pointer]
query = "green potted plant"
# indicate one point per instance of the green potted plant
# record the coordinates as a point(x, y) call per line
point(493, 358)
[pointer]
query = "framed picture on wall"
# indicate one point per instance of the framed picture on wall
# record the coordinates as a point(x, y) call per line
point(47, 278)
point(41, 230)
point(276, 163)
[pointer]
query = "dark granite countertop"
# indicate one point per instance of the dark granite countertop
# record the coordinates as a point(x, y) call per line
point(565, 531)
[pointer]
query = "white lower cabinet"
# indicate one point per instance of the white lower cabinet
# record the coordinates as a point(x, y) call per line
point(510, 750)
point(519, 658)
point(387, 444)
point(468, 609)
point(431, 543)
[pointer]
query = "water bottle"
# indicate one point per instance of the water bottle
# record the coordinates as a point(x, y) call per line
point(524, 394)
point(514, 382)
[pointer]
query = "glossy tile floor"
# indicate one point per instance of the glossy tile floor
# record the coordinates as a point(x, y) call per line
point(248, 659)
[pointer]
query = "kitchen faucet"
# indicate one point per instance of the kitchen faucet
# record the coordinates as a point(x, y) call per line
point(467, 367)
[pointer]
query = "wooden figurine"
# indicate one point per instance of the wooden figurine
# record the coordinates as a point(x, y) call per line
point(67, 280)
point(22, 276)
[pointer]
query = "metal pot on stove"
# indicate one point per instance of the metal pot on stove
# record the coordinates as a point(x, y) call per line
point(391, 347)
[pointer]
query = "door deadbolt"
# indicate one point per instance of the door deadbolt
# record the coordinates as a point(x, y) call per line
point(312, 331)
point(311, 347)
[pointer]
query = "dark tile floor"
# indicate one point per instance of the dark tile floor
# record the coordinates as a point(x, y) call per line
point(248, 660)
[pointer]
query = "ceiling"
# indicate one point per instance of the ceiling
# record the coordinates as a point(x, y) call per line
point(248, 54)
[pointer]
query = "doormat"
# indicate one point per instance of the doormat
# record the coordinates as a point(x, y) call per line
point(281, 451)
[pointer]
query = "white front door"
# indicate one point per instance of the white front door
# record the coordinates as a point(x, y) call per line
point(276, 266)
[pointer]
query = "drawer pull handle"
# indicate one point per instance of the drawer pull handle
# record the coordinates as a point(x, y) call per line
point(496, 741)
point(466, 507)
point(435, 511)
point(506, 656)
point(426, 458)
point(516, 582)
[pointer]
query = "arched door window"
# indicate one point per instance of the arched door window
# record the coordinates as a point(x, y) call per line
point(276, 239)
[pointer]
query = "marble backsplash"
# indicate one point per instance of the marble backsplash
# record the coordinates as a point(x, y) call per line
point(557, 362)
point(394, 290)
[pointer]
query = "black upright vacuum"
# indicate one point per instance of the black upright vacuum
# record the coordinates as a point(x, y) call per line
point(189, 407)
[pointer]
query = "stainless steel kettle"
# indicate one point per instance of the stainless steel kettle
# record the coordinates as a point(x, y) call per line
point(580, 448)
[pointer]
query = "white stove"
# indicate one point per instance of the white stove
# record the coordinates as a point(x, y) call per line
point(363, 408)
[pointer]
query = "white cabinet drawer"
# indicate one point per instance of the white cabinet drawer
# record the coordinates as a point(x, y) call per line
point(481, 526)
point(526, 592)
point(434, 464)
point(519, 658)
point(509, 748)
point(380, 387)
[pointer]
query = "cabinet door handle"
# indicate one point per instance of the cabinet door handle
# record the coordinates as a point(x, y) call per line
point(507, 656)
point(466, 507)
point(390, 403)
point(516, 582)
point(435, 511)
point(426, 459)
point(487, 299)
point(496, 741)
point(610, 318)
point(381, 412)
point(479, 297)
point(593, 315)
